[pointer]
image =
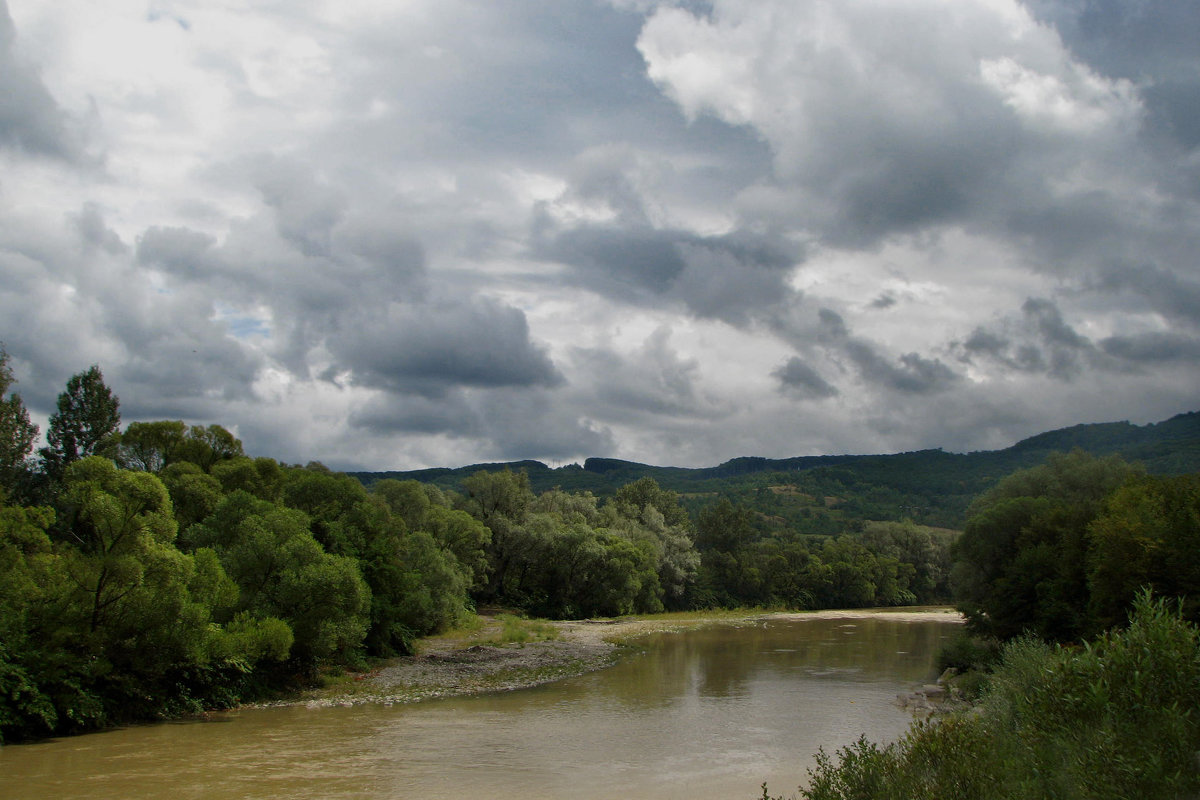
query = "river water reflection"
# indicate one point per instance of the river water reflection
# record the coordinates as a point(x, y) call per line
point(708, 713)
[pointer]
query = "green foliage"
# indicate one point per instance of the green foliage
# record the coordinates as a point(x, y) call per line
point(967, 653)
point(208, 446)
point(152, 446)
point(194, 494)
point(85, 422)
point(888, 564)
point(187, 574)
point(1148, 534)
point(517, 630)
point(503, 494)
point(829, 495)
point(1111, 720)
point(1022, 561)
point(463, 537)
point(17, 432)
point(283, 572)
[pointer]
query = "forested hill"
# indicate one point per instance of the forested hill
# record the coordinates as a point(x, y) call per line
point(933, 487)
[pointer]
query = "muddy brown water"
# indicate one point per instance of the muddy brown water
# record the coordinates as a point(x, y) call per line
point(709, 713)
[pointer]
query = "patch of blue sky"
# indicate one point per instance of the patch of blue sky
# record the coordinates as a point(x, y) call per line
point(242, 325)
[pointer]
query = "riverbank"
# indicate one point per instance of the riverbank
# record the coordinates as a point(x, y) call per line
point(478, 661)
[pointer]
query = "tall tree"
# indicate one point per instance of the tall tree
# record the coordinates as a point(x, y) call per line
point(17, 432)
point(152, 446)
point(1022, 560)
point(87, 417)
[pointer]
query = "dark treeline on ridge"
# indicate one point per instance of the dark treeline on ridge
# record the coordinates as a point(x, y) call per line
point(158, 569)
point(822, 494)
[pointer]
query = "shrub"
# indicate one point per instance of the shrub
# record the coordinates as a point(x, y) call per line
point(1113, 719)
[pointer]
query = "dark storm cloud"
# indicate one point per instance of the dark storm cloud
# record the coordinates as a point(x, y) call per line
point(406, 234)
point(507, 423)
point(1174, 296)
point(1152, 42)
point(30, 119)
point(910, 373)
point(730, 277)
point(619, 262)
point(989, 344)
point(94, 233)
point(653, 380)
point(427, 350)
point(523, 422)
point(388, 414)
point(530, 80)
point(1152, 348)
point(870, 139)
point(976, 120)
point(81, 302)
point(306, 211)
point(799, 379)
point(911, 184)
point(885, 300)
point(1038, 341)
point(180, 251)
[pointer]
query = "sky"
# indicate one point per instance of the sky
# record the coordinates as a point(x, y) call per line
point(403, 234)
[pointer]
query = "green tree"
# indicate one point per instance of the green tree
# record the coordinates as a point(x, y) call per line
point(1112, 720)
point(408, 500)
point(646, 493)
point(504, 493)
point(31, 694)
point(501, 501)
point(87, 417)
point(1148, 535)
point(421, 590)
point(729, 577)
point(194, 494)
point(152, 446)
point(1021, 563)
point(261, 477)
point(143, 612)
point(283, 572)
point(17, 432)
point(464, 537)
point(208, 445)
point(652, 516)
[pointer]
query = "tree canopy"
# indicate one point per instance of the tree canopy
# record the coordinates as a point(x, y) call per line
point(161, 569)
point(87, 417)
point(17, 432)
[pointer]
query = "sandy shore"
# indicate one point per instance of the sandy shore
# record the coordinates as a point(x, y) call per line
point(473, 663)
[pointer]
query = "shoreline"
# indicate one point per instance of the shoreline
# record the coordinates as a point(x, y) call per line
point(471, 663)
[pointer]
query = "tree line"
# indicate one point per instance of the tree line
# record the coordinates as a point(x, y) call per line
point(158, 569)
point(1080, 585)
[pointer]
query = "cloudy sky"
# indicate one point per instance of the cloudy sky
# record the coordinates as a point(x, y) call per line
point(390, 234)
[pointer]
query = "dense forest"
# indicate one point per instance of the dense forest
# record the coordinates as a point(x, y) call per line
point(157, 569)
point(1081, 588)
point(829, 494)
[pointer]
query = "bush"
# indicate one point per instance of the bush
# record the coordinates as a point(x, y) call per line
point(966, 653)
point(1114, 719)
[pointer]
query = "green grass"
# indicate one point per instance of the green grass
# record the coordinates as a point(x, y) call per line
point(518, 630)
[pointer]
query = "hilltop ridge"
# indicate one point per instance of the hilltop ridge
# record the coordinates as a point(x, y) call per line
point(930, 486)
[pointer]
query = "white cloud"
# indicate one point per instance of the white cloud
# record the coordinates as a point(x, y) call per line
point(433, 233)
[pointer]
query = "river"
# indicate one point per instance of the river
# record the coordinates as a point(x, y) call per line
point(708, 713)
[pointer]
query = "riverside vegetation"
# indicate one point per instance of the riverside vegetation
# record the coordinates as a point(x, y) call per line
point(156, 570)
point(1095, 691)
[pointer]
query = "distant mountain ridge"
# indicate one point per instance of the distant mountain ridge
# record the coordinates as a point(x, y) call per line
point(934, 484)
